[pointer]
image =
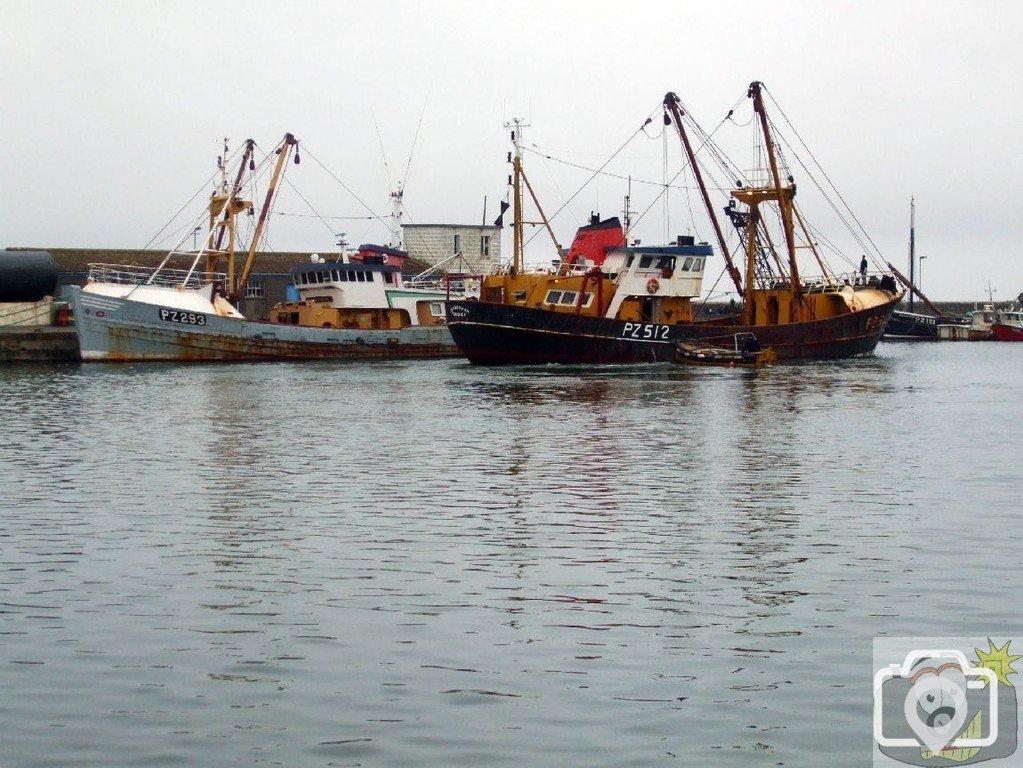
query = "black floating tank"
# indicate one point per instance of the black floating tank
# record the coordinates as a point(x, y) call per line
point(27, 275)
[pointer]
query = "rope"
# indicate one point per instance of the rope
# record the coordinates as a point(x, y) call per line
point(32, 312)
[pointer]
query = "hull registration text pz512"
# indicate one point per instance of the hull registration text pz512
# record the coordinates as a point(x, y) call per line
point(645, 332)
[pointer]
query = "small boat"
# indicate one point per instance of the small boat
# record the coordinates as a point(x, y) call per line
point(1008, 326)
point(745, 352)
point(976, 326)
point(355, 308)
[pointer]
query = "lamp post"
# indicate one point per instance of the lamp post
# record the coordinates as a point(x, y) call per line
point(195, 238)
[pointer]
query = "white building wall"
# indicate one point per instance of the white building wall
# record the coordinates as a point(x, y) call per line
point(433, 243)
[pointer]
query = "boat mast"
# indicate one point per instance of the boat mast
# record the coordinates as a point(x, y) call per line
point(671, 104)
point(224, 207)
point(288, 144)
point(785, 194)
point(912, 247)
point(517, 124)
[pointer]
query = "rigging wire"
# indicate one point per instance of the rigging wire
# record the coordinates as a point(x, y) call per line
point(226, 161)
point(311, 208)
point(838, 213)
point(708, 140)
point(877, 250)
point(345, 187)
point(608, 174)
point(664, 176)
point(383, 155)
point(415, 139)
point(318, 216)
point(586, 183)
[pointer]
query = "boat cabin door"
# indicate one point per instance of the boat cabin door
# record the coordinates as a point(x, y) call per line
point(650, 312)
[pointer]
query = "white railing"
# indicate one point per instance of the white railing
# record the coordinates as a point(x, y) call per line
point(818, 284)
point(126, 274)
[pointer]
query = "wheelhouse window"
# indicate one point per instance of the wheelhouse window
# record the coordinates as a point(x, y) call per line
point(687, 265)
point(645, 262)
point(437, 308)
point(568, 298)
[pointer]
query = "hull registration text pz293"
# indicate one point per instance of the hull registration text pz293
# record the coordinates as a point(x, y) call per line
point(177, 316)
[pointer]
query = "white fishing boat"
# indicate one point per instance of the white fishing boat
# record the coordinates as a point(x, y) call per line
point(976, 326)
point(138, 313)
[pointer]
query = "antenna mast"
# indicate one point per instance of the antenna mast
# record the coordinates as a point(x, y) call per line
point(517, 124)
point(627, 211)
point(397, 209)
point(912, 247)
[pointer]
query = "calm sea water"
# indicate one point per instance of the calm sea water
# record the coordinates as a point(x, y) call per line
point(433, 564)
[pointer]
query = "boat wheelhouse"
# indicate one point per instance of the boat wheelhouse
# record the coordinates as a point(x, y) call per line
point(365, 290)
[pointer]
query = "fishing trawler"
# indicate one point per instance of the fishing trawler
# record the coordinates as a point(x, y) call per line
point(609, 302)
point(355, 310)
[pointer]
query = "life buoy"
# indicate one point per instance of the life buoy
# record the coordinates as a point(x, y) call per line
point(652, 285)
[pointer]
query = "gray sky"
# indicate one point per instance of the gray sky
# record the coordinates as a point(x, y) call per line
point(111, 113)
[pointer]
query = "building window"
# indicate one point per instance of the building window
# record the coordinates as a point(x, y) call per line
point(485, 246)
point(458, 243)
point(255, 289)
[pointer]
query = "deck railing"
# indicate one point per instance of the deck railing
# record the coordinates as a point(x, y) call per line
point(126, 274)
